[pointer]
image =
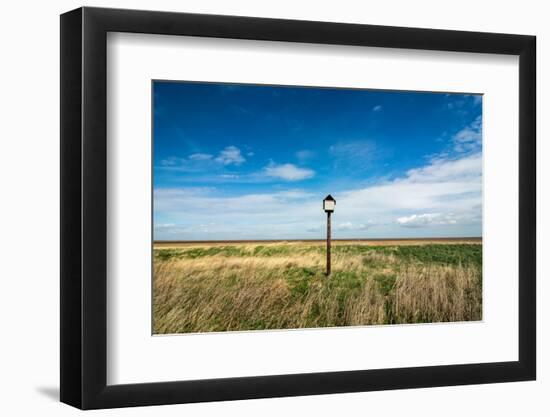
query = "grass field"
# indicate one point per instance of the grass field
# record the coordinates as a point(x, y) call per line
point(224, 286)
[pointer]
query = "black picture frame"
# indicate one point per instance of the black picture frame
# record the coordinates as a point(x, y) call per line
point(84, 207)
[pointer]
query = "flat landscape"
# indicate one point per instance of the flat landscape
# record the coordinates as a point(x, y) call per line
point(259, 285)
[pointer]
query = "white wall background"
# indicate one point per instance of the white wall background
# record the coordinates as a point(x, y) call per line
point(29, 172)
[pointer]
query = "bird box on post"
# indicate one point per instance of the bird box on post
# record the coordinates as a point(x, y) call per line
point(328, 203)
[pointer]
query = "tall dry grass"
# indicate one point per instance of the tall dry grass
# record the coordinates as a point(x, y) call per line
point(283, 289)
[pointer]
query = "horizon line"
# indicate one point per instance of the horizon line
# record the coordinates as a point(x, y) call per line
point(319, 240)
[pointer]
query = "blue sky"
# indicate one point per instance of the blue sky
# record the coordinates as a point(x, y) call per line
point(254, 162)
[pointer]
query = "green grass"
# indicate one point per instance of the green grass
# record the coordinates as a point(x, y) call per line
point(229, 251)
point(442, 254)
point(445, 254)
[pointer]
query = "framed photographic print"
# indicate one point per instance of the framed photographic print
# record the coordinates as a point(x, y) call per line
point(257, 207)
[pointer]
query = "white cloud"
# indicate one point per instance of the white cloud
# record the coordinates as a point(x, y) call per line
point(288, 172)
point(345, 226)
point(427, 219)
point(231, 155)
point(452, 185)
point(446, 170)
point(377, 108)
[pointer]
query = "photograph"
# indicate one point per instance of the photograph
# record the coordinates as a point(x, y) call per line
point(292, 207)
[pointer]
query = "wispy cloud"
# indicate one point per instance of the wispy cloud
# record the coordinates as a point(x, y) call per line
point(357, 155)
point(469, 138)
point(288, 172)
point(463, 103)
point(194, 163)
point(377, 108)
point(304, 155)
point(198, 162)
point(200, 157)
point(350, 226)
point(353, 149)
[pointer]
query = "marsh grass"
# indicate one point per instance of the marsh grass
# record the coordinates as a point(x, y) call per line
point(283, 286)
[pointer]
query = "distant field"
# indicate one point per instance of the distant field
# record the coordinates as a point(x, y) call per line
point(377, 242)
point(224, 286)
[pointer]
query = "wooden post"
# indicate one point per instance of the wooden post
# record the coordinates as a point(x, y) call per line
point(328, 243)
